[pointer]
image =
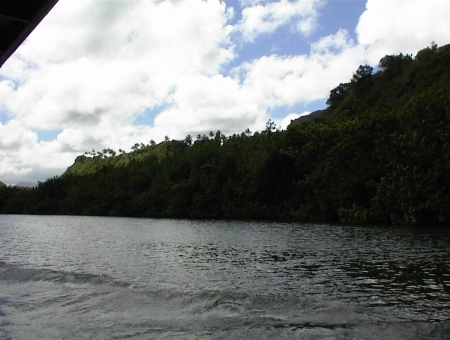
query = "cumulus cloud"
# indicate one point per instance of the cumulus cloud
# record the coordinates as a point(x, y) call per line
point(22, 156)
point(210, 103)
point(91, 67)
point(333, 43)
point(113, 59)
point(230, 104)
point(260, 18)
point(289, 80)
point(399, 26)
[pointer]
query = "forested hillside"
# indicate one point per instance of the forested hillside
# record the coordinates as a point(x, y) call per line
point(379, 153)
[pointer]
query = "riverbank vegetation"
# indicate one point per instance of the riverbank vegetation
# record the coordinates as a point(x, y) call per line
point(379, 153)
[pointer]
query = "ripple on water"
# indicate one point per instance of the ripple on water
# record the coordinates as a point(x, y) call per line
point(290, 276)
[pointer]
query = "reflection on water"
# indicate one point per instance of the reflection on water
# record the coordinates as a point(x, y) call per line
point(163, 275)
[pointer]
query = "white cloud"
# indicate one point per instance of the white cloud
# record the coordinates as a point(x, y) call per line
point(260, 18)
point(14, 136)
point(100, 64)
point(210, 103)
point(203, 103)
point(333, 43)
point(290, 80)
point(92, 66)
point(394, 26)
point(22, 156)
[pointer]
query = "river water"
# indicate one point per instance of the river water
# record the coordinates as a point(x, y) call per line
point(64, 277)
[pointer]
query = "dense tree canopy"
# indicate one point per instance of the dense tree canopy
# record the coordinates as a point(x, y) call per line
point(379, 153)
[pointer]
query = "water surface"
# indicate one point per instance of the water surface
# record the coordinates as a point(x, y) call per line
point(104, 278)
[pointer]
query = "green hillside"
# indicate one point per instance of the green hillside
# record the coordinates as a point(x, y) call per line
point(379, 153)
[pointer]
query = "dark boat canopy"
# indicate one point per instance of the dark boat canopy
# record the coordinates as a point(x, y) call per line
point(18, 18)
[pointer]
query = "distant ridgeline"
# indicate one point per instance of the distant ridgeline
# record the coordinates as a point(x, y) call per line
point(379, 153)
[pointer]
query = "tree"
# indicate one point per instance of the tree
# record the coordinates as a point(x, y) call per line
point(392, 65)
point(270, 127)
point(188, 140)
point(363, 72)
point(338, 94)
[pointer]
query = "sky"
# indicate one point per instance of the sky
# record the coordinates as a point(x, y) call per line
point(98, 74)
